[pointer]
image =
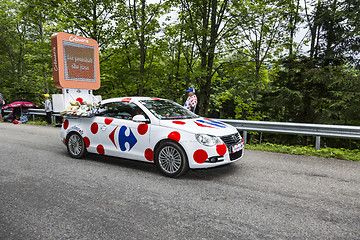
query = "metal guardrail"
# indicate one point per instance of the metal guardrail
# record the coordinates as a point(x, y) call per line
point(317, 130)
point(37, 111)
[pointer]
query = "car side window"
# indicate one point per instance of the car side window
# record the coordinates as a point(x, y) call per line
point(120, 110)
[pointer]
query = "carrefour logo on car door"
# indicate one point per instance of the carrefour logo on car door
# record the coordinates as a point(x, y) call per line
point(123, 139)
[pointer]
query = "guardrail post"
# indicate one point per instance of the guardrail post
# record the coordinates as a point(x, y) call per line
point(244, 136)
point(317, 143)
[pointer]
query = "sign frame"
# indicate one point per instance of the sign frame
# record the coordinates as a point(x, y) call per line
point(61, 74)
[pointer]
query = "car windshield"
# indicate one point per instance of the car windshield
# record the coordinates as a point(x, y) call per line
point(166, 109)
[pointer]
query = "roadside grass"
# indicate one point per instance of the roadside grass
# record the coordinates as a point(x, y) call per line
point(338, 153)
point(40, 123)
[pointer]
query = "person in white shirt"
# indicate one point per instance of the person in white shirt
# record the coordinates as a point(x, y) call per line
point(191, 101)
point(48, 108)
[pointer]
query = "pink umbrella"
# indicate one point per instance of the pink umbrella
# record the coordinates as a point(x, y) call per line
point(21, 104)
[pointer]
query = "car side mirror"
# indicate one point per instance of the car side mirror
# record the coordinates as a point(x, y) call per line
point(140, 118)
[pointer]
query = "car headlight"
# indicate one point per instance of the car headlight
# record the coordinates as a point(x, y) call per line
point(207, 140)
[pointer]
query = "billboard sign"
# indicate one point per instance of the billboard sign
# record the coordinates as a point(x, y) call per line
point(75, 61)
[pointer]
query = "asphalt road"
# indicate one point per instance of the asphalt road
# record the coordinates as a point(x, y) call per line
point(45, 194)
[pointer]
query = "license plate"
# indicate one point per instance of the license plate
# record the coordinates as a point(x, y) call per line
point(236, 148)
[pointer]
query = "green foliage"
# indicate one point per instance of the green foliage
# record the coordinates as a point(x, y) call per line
point(134, 65)
point(39, 123)
point(24, 52)
point(302, 92)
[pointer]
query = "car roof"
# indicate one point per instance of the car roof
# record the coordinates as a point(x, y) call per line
point(129, 99)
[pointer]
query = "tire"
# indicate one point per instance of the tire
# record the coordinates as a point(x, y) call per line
point(75, 145)
point(171, 159)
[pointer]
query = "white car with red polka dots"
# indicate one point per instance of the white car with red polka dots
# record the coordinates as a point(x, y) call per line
point(153, 130)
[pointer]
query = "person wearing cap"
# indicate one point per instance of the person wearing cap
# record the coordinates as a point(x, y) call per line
point(48, 108)
point(2, 103)
point(191, 101)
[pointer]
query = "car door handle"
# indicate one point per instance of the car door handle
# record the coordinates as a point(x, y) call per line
point(103, 128)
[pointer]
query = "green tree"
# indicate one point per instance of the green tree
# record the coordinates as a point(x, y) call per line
point(334, 32)
point(235, 90)
point(88, 18)
point(135, 57)
point(206, 26)
point(260, 26)
point(293, 19)
point(24, 50)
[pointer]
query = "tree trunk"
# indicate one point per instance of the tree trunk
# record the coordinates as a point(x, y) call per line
point(142, 49)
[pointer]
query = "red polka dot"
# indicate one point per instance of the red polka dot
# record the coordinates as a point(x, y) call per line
point(66, 124)
point(179, 122)
point(100, 149)
point(221, 149)
point(174, 136)
point(64, 141)
point(108, 120)
point(149, 154)
point(87, 142)
point(142, 128)
point(126, 100)
point(94, 128)
point(155, 98)
point(200, 156)
point(80, 100)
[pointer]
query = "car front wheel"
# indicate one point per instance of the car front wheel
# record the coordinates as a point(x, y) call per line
point(75, 145)
point(171, 159)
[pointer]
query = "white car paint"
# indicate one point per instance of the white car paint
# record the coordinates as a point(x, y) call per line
point(126, 138)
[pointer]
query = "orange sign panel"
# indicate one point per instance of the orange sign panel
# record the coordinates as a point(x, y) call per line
point(75, 61)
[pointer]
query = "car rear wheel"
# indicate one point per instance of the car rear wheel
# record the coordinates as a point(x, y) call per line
point(75, 145)
point(171, 160)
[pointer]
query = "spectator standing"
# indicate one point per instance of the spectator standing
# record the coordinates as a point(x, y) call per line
point(191, 101)
point(48, 108)
point(2, 103)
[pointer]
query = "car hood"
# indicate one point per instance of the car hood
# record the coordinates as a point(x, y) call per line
point(200, 125)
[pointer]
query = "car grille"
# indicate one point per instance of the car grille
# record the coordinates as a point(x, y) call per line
point(234, 156)
point(231, 140)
